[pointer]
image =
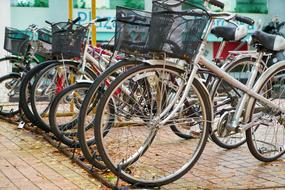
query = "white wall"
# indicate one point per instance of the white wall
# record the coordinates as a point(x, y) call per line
point(22, 17)
point(148, 5)
point(5, 21)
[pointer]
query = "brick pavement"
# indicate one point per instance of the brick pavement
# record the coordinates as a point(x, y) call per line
point(232, 169)
point(27, 161)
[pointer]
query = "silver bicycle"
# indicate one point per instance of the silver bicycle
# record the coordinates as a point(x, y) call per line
point(140, 147)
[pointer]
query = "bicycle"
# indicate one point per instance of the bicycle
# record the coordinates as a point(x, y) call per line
point(62, 130)
point(24, 49)
point(36, 112)
point(98, 87)
point(141, 160)
point(86, 117)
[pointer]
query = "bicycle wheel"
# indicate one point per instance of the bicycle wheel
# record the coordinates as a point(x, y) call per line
point(86, 117)
point(9, 91)
point(137, 148)
point(266, 138)
point(64, 112)
point(10, 83)
point(25, 91)
point(51, 81)
point(226, 99)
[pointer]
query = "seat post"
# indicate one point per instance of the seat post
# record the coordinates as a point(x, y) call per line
point(220, 51)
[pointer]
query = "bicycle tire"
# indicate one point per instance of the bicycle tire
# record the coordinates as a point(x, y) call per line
point(12, 81)
point(236, 140)
point(25, 89)
point(126, 173)
point(75, 68)
point(88, 152)
point(64, 132)
point(261, 145)
point(9, 60)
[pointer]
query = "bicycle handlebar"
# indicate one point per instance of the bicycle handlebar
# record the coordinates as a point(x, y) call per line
point(131, 18)
point(70, 22)
point(217, 3)
point(49, 23)
point(76, 20)
point(244, 19)
point(102, 19)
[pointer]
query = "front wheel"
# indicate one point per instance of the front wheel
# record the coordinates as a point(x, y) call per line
point(9, 92)
point(64, 112)
point(266, 139)
point(137, 148)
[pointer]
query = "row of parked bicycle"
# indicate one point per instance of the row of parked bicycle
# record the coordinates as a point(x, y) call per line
point(145, 107)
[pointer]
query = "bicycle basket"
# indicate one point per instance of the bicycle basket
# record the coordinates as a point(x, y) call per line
point(67, 42)
point(132, 30)
point(16, 41)
point(176, 29)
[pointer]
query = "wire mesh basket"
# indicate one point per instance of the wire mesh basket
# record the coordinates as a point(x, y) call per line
point(132, 30)
point(67, 41)
point(176, 28)
point(16, 41)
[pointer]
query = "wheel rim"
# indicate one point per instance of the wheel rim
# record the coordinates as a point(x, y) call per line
point(127, 137)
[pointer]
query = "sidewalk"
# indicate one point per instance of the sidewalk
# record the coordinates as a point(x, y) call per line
point(232, 169)
point(27, 161)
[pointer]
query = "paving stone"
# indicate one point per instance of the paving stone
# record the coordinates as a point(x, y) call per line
point(29, 162)
point(25, 184)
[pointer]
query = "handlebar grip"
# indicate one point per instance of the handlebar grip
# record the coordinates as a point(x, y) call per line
point(121, 16)
point(217, 3)
point(244, 19)
point(132, 18)
point(102, 19)
point(48, 22)
point(76, 20)
point(136, 18)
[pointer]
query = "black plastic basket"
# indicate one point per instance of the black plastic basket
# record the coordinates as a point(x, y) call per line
point(176, 29)
point(67, 41)
point(44, 35)
point(16, 41)
point(132, 30)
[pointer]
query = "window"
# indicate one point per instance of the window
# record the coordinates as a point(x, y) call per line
point(30, 3)
point(251, 6)
point(137, 4)
point(109, 4)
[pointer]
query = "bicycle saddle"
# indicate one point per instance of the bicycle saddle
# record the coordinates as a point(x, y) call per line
point(230, 32)
point(269, 41)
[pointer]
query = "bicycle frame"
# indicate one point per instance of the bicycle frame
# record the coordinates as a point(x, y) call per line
point(88, 57)
point(200, 59)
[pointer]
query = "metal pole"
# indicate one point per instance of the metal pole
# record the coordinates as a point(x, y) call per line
point(93, 14)
point(70, 9)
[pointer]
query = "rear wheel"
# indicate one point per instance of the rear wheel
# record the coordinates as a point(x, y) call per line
point(226, 99)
